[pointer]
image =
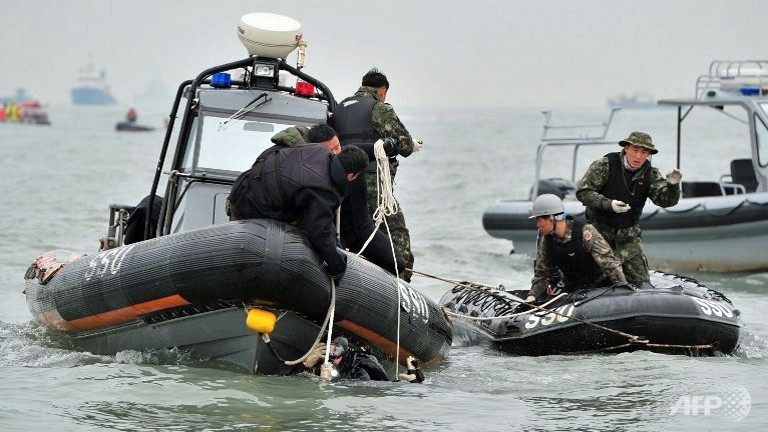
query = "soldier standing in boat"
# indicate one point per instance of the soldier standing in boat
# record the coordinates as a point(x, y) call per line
point(365, 117)
point(578, 250)
point(614, 190)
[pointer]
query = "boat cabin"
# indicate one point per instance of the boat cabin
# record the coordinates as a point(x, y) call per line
point(229, 114)
point(739, 91)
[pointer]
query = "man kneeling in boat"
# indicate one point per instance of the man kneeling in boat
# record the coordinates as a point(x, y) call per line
point(303, 183)
point(345, 362)
point(579, 251)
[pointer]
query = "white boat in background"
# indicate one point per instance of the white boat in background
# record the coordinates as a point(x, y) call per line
point(637, 100)
point(92, 88)
point(719, 225)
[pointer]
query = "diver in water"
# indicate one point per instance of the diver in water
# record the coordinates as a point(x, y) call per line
point(348, 363)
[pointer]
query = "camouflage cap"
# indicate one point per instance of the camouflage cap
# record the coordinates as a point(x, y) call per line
point(639, 139)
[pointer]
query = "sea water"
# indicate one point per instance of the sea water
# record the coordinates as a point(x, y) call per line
point(58, 181)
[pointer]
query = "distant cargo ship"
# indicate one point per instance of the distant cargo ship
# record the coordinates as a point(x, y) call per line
point(638, 100)
point(92, 88)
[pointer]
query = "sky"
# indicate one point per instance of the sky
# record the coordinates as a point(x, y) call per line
point(447, 53)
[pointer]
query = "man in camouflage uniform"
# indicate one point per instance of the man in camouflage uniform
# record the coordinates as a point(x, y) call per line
point(614, 190)
point(366, 118)
point(578, 252)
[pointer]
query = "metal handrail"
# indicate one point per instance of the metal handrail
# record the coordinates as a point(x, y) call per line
point(719, 69)
point(575, 142)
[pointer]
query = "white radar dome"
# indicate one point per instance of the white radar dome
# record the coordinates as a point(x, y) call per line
point(269, 35)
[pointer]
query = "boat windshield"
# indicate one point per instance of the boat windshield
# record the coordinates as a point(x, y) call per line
point(230, 144)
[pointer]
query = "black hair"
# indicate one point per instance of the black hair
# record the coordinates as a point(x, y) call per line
point(320, 133)
point(353, 159)
point(375, 79)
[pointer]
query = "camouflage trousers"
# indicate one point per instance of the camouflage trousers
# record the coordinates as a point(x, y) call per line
point(627, 245)
point(396, 222)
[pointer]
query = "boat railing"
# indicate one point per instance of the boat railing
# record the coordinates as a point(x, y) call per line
point(747, 77)
point(597, 137)
point(118, 218)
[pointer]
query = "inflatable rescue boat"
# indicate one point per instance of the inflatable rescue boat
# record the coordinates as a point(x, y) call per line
point(174, 272)
point(676, 315)
point(192, 291)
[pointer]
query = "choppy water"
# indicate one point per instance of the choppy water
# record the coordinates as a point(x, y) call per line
point(58, 181)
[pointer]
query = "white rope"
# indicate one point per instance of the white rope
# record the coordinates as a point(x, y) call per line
point(385, 198)
point(331, 313)
point(328, 317)
point(478, 318)
point(332, 310)
point(386, 206)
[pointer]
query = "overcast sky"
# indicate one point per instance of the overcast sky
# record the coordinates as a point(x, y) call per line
point(542, 53)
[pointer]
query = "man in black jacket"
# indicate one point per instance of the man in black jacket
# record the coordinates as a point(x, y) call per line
point(304, 183)
point(356, 222)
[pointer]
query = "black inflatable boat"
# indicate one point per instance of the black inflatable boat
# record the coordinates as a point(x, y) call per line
point(191, 290)
point(675, 315)
point(128, 126)
point(183, 276)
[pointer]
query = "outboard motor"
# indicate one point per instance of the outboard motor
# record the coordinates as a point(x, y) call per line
point(556, 185)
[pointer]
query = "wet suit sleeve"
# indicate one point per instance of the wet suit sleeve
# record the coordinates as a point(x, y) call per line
point(318, 208)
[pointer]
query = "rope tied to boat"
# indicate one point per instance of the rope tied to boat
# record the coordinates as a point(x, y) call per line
point(386, 205)
point(327, 322)
point(329, 315)
point(632, 339)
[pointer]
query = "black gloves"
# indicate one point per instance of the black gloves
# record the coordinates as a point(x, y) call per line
point(336, 271)
point(391, 147)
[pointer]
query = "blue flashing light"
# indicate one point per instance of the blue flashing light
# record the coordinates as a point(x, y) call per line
point(750, 91)
point(221, 80)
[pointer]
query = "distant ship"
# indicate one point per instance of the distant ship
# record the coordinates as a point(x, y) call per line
point(637, 100)
point(92, 88)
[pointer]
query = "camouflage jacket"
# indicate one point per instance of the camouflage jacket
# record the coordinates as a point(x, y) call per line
point(592, 242)
point(387, 123)
point(661, 192)
point(289, 137)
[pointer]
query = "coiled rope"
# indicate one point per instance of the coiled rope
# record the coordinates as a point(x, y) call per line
point(386, 205)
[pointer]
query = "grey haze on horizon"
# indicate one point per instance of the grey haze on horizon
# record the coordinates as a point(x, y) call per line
point(436, 53)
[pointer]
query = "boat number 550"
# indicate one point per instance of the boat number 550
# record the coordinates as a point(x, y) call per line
point(561, 314)
point(107, 262)
point(710, 307)
point(413, 303)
